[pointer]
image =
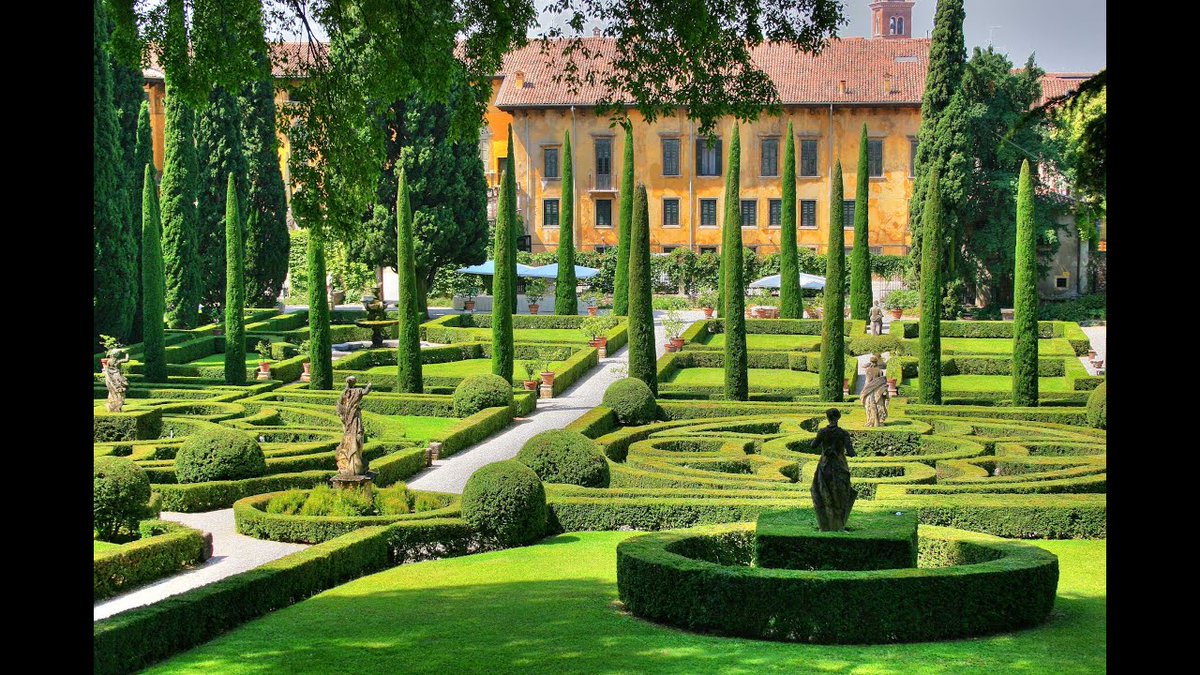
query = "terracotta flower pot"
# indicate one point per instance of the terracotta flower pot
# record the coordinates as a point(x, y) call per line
point(846, 386)
point(264, 366)
point(708, 312)
point(469, 305)
point(891, 386)
point(533, 309)
point(896, 313)
point(671, 348)
point(306, 376)
point(530, 385)
point(677, 342)
point(1091, 356)
point(547, 378)
point(591, 311)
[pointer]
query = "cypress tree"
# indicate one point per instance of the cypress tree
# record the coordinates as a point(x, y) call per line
point(235, 289)
point(143, 154)
point(833, 327)
point(114, 262)
point(621, 279)
point(144, 146)
point(737, 385)
point(790, 303)
point(180, 171)
point(565, 299)
point(153, 288)
point(408, 351)
point(642, 363)
point(128, 97)
point(860, 265)
point(929, 368)
point(504, 280)
point(267, 240)
point(319, 340)
point(219, 148)
point(1025, 298)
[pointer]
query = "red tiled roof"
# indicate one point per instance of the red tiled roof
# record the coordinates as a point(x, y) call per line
point(288, 59)
point(801, 78)
point(1060, 84)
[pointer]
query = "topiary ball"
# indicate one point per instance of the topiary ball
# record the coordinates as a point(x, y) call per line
point(219, 454)
point(632, 400)
point(506, 500)
point(560, 456)
point(479, 392)
point(1097, 407)
point(120, 493)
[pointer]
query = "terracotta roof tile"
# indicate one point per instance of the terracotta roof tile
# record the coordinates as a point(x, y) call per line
point(1060, 84)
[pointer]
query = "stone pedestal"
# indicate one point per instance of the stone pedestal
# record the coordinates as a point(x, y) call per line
point(546, 391)
point(872, 540)
point(340, 482)
point(263, 375)
point(435, 451)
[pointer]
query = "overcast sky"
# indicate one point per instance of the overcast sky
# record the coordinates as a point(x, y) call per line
point(1066, 35)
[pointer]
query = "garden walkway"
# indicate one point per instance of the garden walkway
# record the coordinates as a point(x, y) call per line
point(233, 553)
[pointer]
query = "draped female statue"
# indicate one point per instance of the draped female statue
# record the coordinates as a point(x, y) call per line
point(831, 492)
point(350, 461)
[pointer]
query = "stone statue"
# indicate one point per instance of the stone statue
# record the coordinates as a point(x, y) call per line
point(831, 492)
point(874, 367)
point(115, 380)
point(874, 397)
point(350, 461)
point(376, 308)
point(876, 317)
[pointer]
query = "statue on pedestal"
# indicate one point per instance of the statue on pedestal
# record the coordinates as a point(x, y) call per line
point(831, 492)
point(115, 380)
point(876, 317)
point(350, 460)
point(874, 397)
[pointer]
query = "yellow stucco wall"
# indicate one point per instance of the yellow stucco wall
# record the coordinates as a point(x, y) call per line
point(889, 195)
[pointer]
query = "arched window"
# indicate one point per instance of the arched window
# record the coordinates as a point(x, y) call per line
point(892, 26)
point(900, 25)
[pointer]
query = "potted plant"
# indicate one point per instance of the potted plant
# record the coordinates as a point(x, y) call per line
point(535, 290)
point(467, 286)
point(303, 348)
point(898, 301)
point(673, 326)
point(264, 359)
point(531, 371)
point(546, 373)
point(817, 309)
point(708, 302)
point(591, 297)
point(595, 327)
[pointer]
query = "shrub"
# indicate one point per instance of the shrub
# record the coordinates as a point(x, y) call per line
point(902, 299)
point(481, 391)
point(632, 401)
point(219, 454)
point(559, 456)
point(506, 500)
point(120, 491)
point(1097, 407)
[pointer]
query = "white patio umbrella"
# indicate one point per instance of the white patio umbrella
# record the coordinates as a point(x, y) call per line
point(808, 282)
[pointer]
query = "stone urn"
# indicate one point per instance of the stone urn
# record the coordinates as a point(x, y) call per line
point(892, 386)
point(591, 311)
point(1006, 314)
point(533, 309)
point(896, 313)
point(264, 370)
point(469, 305)
point(306, 376)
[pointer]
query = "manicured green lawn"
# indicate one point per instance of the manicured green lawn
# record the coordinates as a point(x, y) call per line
point(992, 383)
point(775, 342)
point(1051, 347)
point(98, 546)
point(464, 368)
point(761, 378)
point(552, 608)
point(252, 360)
point(532, 334)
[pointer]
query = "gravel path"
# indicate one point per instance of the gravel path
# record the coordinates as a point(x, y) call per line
point(1096, 334)
point(233, 553)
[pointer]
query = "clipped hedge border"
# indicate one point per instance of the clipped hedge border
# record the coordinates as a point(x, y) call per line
point(990, 586)
point(253, 520)
point(132, 425)
point(147, 559)
point(475, 428)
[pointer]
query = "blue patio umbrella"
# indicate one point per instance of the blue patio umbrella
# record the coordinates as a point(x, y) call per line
point(488, 269)
point(551, 271)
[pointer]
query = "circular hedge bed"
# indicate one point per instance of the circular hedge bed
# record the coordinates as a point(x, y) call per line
point(286, 516)
point(478, 392)
point(219, 454)
point(632, 401)
point(506, 500)
point(560, 456)
point(967, 584)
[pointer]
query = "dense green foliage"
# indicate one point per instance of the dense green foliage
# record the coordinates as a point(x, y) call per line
point(860, 263)
point(219, 454)
point(266, 239)
point(631, 400)
point(621, 280)
point(114, 255)
point(164, 549)
point(733, 283)
point(235, 289)
point(506, 501)
point(320, 341)
point(833, 349)
point(566, 300)
point(790, 303)
point(154, 358)
point(181, 171)
point(641, 311)
point(931, 295)
point(120, 491)
point(1097, 407)
point(1025, 299)
point(478, 392)
point(219, 150)
point(560, 456)
point(873, 540)
point(408, 349)
point(504, 282)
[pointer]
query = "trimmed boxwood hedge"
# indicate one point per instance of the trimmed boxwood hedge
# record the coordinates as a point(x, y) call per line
point(131, 425)
point(479, 392)
point(164, 549)
point(219, 453)
point(561, 456)
point(1097, 407)
point(988, 586)
point(506, 500)
point(631, 401)
point(873, 540)
point(253, 520)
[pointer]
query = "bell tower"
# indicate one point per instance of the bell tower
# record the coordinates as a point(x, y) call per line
point(891, 18)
